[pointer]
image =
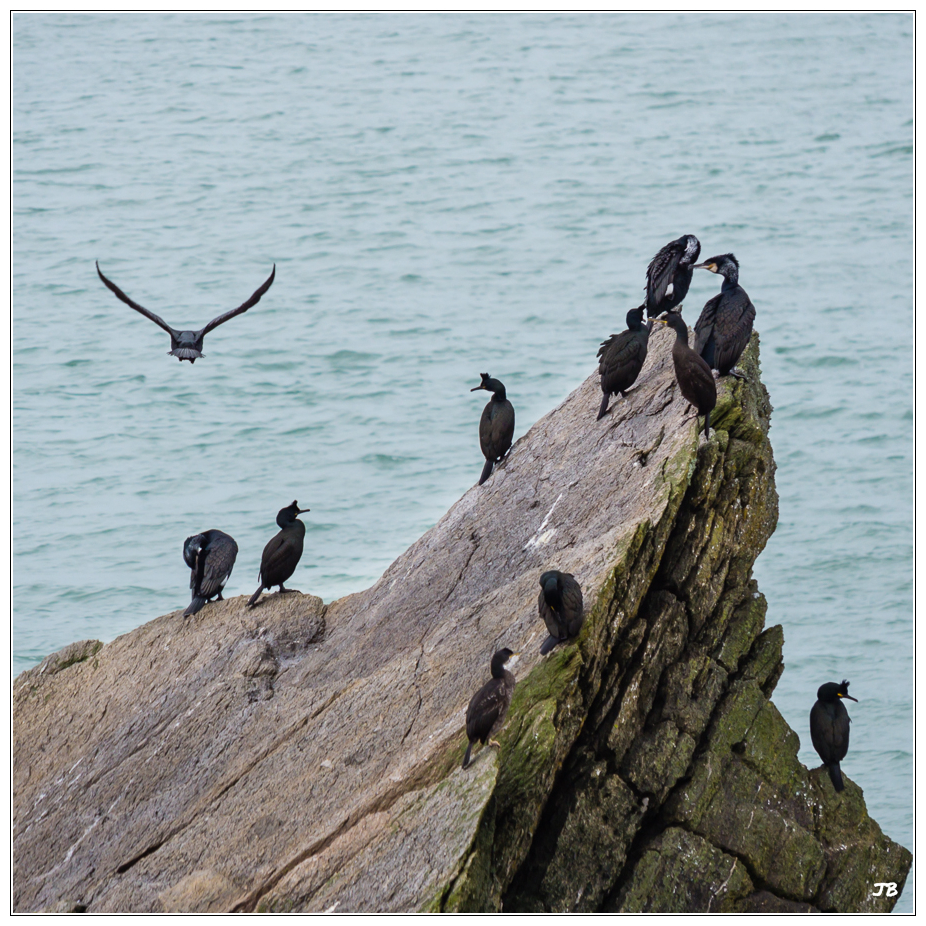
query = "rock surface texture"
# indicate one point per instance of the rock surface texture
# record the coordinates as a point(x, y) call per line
point(304, 756)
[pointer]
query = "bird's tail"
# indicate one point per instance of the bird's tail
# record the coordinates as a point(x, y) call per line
point(549, 644)
point(255, 596)
point(469, 749)
point(836, 776)
point(194, 606)
point(707, 426)
point(604, 406)
point(486, 471)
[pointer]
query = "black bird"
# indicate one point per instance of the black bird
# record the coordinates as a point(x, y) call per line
point(211, 557)
point(694, 375)
point(488, 706)
point(283, 552)
point(622, 357)
point(725, 326)
point(188, 345)
point(669, 275)
point(829, 728)
point(496, 427)
point(560, 606)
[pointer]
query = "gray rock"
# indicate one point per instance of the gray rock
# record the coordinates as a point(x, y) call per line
point(307, 757)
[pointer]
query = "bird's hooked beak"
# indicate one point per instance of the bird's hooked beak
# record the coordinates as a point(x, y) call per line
point(708, 265)
point(839, 694)
point(476, 388)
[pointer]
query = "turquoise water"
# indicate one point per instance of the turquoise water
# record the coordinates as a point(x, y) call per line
point(443, 196)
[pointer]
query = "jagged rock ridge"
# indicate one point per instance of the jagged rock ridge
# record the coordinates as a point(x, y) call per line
point(306, 757)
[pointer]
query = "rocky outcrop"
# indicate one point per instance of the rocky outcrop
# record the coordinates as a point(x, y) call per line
point(307, 757)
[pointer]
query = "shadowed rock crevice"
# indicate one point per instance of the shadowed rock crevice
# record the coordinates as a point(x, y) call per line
point(304, 757)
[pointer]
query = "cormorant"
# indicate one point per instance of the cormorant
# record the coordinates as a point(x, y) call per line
point(283, 552)
point(188, 345)
point(622, 357)
point(211, 557)
point(829, 728)
point(669, 275)
point(560, 606)
point(496, 427)
point(725, 326)
point(488, 706)
point(694, 376)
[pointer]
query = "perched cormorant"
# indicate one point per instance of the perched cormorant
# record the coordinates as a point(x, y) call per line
point(622, 357)
point(488, 706)
point(283, 552)
point(560, 606)
point(211, 557)
point(829, 728)
point(188, 345)
point(496, 427)
point(669, 275)
point(694, 376)
point(725, 326)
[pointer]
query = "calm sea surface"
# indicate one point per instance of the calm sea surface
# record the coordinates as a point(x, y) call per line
point(443, 196)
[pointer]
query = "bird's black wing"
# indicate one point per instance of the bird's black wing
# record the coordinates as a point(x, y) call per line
point(219, 560)
point(572, 603)
point(733, 329)
point(255, 298)
point(622, 357)
point(661, 271)
point(138, 308)
point(484, 709)
point(555, 626)
point(704, 329)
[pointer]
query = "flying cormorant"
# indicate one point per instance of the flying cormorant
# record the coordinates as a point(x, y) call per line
point(488, 706)
point(829, 728)
point(560, 606)
point(496, 427)
point(622, 357)
point(211, 557)
point(283, 552)
point(694, 376)
point(725, 326)
point(669, 275)
point(188, 345)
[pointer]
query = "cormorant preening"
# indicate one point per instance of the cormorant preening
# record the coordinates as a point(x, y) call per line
point(669, 275)
point(694, 376)
point(488, 706)
point(188, 345)
point(829, 728)
point(283, 552)
point(210, 556)
point(496, 427)
point(725, 326)
point(622, 357)
point(560, 606)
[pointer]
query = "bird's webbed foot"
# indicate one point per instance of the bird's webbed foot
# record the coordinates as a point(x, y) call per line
point(286, 591)
point(495, 743)
point(739, 374)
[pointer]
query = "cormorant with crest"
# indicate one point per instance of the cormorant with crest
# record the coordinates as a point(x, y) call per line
point(829, 728)
point(283, 552)
point(496, 427)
